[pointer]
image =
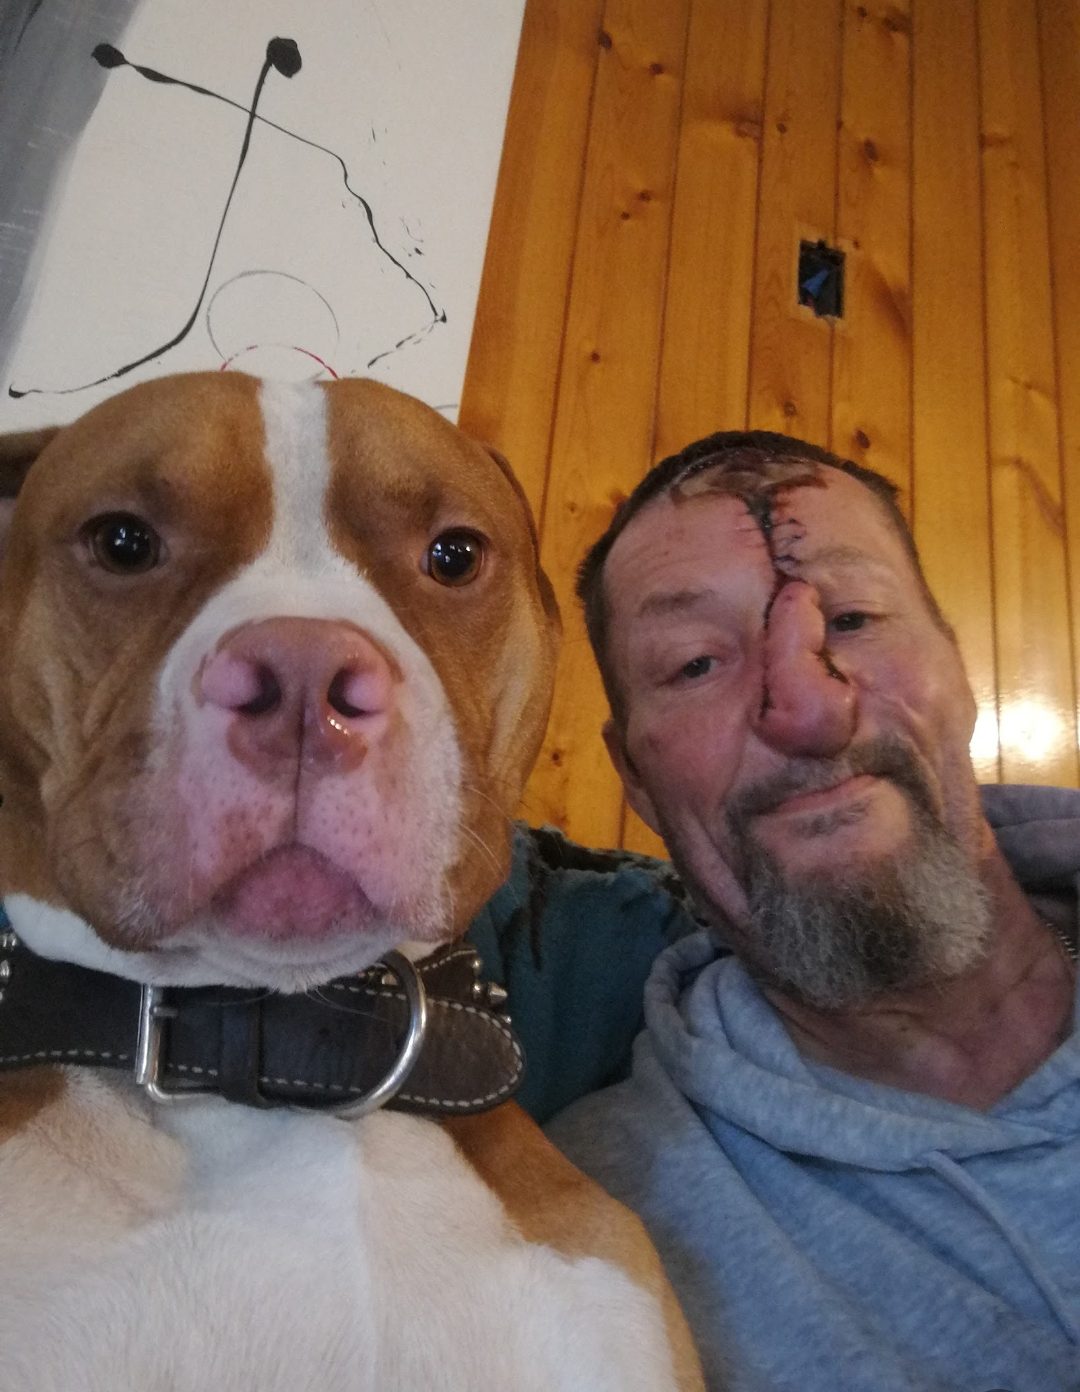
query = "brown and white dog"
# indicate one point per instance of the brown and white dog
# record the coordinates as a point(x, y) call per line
point(274, 663)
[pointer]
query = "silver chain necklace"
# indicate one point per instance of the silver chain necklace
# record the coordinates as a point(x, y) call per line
point(1064, 941)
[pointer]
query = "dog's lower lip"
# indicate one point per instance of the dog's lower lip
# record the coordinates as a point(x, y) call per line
point(293, 894)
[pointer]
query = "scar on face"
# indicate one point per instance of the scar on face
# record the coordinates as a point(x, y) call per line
point(762, 489)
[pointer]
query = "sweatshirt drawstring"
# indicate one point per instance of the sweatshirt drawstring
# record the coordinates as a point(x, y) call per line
point(956, 1176)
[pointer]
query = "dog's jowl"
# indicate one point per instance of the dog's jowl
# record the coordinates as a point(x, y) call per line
point(274, 663)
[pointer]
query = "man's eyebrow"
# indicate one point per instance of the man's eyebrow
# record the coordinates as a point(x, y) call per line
point(838, 555)
point(673, 602)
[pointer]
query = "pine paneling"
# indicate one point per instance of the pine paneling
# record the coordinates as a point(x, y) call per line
point(950, 487)
point(606, 397)
point(1060, 51)
point(663, 160)
point(1037, 707)
point(791, 349)
point(871, 397)
point(514, 357)
point(705, 362)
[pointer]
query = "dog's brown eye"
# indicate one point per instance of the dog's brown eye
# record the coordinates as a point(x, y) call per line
point(455, 557)
point(123, 543)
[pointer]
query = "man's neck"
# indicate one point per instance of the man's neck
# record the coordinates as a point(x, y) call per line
point(971, 1040)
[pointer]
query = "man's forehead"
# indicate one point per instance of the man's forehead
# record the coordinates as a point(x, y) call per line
point(840, 502)
point(836, 513)
point(671, 535)
point(841, 523)
point(830, 522)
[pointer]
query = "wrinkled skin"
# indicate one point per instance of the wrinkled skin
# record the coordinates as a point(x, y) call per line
point(741, 649)
point(136, 796)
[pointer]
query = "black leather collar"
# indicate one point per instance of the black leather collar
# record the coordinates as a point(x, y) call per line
point(316, 1050)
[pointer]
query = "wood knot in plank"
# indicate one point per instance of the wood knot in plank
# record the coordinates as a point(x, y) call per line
point(748, 127)
point(1050, 508)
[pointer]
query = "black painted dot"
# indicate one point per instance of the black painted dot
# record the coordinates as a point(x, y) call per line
point(284, 56)
point(108, 56)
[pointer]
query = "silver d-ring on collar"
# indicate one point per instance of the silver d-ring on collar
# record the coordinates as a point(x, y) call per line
point(416, 996)
point(154, 1011)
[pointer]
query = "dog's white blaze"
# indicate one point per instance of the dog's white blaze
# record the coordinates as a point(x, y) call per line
point(294, 419)
point(407, 845)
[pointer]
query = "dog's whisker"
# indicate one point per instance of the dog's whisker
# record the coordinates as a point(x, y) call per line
point(479, 792)
point(482, 845)
point(345, 1007)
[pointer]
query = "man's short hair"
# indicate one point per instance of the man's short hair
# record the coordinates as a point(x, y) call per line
point(750, 454)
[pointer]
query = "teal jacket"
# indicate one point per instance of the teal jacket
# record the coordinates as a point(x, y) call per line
point(572, 935)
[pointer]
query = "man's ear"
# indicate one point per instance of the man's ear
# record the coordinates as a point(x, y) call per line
point(636, 795)
point(17, 454)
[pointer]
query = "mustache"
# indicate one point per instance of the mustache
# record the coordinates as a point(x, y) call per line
point(883, 757)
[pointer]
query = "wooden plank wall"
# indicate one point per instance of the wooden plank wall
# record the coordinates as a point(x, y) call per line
point(663, 159)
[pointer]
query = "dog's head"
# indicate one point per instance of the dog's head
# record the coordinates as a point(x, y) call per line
point(275, 662)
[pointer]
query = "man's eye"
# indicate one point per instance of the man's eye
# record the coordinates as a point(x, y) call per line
point(850, 622)
point(696, 667)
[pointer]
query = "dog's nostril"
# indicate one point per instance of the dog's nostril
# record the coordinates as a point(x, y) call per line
point(268, 696)
point(338, 697)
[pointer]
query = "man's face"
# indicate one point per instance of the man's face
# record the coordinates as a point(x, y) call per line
point(796, 727)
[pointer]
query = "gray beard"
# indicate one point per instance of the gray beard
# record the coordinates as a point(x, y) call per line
point(841, 938)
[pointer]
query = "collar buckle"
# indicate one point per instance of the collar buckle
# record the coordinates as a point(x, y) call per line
point(155, 1012)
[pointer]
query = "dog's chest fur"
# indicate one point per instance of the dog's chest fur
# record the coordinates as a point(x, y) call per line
point(211, 1246)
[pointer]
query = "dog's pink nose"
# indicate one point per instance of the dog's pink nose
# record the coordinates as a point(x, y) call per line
point(302, 690)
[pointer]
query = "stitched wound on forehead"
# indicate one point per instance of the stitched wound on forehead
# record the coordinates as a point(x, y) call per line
point(749, 474)
point(760, 482)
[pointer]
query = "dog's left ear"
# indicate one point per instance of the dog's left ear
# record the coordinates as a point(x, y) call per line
point(547, 594)
point(17, 454)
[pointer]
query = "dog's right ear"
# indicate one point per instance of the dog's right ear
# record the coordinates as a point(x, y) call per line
point(547, 593)
point(17, 454)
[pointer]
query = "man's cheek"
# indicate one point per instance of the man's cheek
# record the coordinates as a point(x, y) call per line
point(670, 749)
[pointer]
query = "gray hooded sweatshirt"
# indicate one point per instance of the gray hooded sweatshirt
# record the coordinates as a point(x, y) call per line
point(829, 1234)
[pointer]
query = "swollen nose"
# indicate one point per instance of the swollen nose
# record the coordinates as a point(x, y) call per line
point(808, 706)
